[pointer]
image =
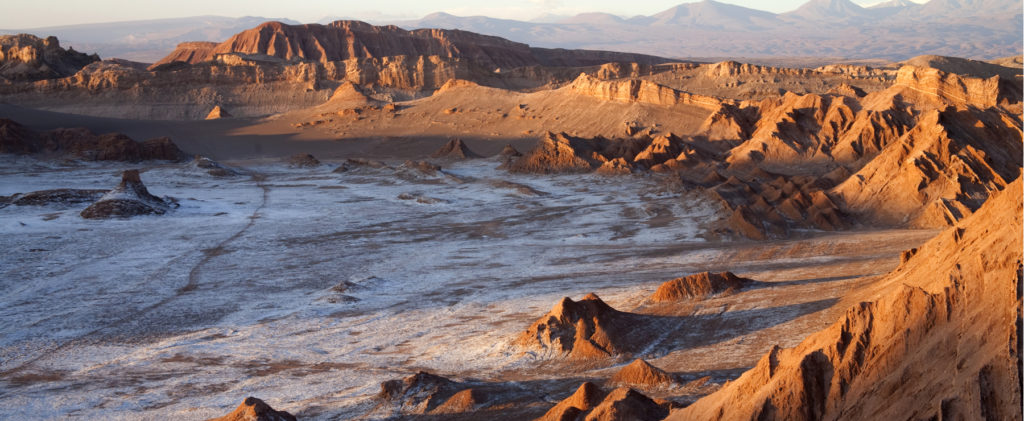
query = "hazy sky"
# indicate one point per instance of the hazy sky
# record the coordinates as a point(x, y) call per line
point(22, 14)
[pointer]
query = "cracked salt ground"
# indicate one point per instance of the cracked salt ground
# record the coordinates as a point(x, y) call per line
point(312, 287)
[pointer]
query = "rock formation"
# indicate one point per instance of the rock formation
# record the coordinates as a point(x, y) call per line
point(344, 40)
point(586, 397)
point(624, 404)
point(217, 113)
point(638, 90)
point(130, 198)
point(26, 57)
point(454, 149)
point(917, 348)
point(85, 145)
point(303, 160)
point(253, 409)
point(557, 153)
point(48, 197)
point(938, 172)
point(590, 403)
point(699, 286)
point(585, 329)
point(642, 374)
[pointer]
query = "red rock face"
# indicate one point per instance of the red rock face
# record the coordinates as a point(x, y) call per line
point(344, 40)
point(26, 57)
point(941, 340)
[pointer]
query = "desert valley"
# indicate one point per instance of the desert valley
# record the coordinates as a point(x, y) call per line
point(343, 220)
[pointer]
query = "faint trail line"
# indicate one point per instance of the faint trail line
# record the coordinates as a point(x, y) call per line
point(192, 284)
point(193, 275)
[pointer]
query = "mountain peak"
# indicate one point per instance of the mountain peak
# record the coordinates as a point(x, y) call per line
point(829, 9)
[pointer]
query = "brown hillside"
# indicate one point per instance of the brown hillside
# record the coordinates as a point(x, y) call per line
point(941, 340)
point(938, 172)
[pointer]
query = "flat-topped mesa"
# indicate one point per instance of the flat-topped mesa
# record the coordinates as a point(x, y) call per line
point(731, 68)
point(639, 91)
point(580, 330)
point(956, 89)
point(345, 39)
point(700, 286)
point(27, 57)
point(253, 409)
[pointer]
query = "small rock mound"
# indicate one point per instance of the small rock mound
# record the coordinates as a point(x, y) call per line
point(212, 167)
point(217, 113)
point(253, 409)
point(422, 393)
point(56, 196)
point(357, 163)
point(455, 149)
point(303, 160)
point(465, 400)
point(699, 286)
point(422, 167)
point(128, 199)
point(624, 404)
point(587, 396)
point(585, 329)
point(641, 373)
point(510, 151)
point(589, 402)
point(556, 153)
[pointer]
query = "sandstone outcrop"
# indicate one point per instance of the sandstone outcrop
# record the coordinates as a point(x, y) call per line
point(557, 153)
point(84, 144)
point(638, 90)
point(455, 149)
point(253, 409)
point(130, 198)
point(218, 113)
point(917, 348)
point(26, 57)
point(939, 172)
point(590, 403)
point(642, 374)
point(699, 286)
point(344, 40)
point(584, 329)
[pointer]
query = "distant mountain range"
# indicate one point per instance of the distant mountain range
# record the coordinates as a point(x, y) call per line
point(146, 40)
point(894, 30)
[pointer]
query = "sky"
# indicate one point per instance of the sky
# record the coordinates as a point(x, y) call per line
point(24, 14)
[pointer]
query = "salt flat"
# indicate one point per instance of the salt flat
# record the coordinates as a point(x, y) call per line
point(309, 287)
